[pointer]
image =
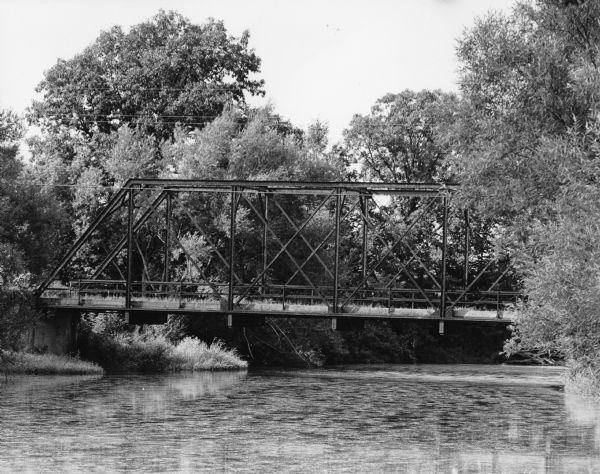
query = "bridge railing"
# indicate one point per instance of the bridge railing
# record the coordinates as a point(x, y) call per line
point(272, 297)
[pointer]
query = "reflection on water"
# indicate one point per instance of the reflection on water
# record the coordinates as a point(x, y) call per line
point(351, 419)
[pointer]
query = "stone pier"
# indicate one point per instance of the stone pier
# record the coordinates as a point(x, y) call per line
point(55, 333)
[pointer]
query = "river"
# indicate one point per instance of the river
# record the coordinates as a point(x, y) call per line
point(392, 418)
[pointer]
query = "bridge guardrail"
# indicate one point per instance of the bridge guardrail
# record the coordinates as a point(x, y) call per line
point(190, 294)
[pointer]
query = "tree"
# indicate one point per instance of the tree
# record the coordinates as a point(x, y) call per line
point(30, 222)
point(252, 145)
point(525, 78)
point(29, 218)
point(407, 138)
point(106, 113)
point(402, 139)
point(162, 72)
point(527, 143)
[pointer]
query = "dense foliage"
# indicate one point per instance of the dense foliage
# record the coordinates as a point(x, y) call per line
point(527, 155)
point(163, 72)
point(403, 138)
point(167, 99)
point(30, 225)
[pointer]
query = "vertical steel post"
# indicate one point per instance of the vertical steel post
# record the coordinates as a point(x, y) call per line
point(265, 254)
point(467, 243)
point(365, 230)
point(129, 249)
point(444, 252)
point(234, 192)
point(498, 304)
point(168, 238)
point(180, 294)
point(336, 265)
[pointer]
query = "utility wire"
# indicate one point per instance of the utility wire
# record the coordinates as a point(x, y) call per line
point(136, 89)
point(88, 119)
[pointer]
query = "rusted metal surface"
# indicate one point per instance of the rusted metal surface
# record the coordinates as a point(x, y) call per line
point(321, 249)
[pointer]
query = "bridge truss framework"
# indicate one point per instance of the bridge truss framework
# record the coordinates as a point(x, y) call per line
point(238, 294)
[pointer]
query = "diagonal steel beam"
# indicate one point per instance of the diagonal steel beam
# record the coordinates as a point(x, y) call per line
point(402, 264)
point(404, 269)
point(284, 248)
point(115, 265)
point(136, 226)
point(323, 242)
point(385, 244)
point(499, 278)
point(113, 204)
point(464, 292)
point(390, 250)
point(411, 250)
point(212, 286)
point(304, 239)
point(206, 236)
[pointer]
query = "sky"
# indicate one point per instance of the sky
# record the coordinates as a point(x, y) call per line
point(321, 59)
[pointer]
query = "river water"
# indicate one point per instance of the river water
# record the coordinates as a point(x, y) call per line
point(392, 418)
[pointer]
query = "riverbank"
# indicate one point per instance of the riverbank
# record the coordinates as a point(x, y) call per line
point(130, 352)
point(46, 364)
point(582, 380)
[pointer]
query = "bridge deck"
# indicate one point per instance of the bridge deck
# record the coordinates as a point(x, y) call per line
point(273, 309)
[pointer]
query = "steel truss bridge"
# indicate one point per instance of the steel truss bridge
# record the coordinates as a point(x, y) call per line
point(250, 249)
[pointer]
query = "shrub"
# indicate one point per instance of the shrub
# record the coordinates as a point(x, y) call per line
point(194, 354)
point(151, 351)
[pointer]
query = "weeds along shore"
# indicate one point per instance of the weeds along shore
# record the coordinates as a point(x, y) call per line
point(127, 353)
point(46, 364)
point(130, 352)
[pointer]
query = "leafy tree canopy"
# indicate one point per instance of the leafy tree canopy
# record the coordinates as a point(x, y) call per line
point(526, 78)
point(526, 143)
point(30, 219)
point(401, 140)
point(162, 72)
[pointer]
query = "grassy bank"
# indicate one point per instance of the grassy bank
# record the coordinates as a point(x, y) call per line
point(127, 353)
point(46, 364)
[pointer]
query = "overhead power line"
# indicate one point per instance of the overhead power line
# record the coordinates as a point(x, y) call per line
point(111, 118)
point(146, 88)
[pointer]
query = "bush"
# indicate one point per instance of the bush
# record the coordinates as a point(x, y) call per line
point(116, 349)
point(193, 354)
point(583, 378)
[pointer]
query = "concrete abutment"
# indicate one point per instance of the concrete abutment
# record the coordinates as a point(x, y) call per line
point(55, 332)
